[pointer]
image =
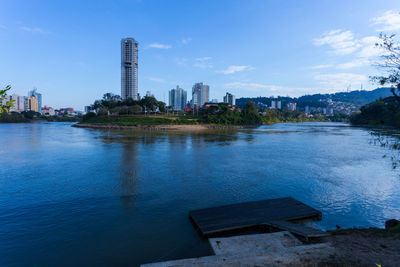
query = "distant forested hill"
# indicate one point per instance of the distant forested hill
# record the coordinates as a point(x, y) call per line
point(358, 98)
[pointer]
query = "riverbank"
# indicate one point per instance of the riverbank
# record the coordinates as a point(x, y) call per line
point(349, 247)
point(161, 127)
point(159, 122)
point(154, 123)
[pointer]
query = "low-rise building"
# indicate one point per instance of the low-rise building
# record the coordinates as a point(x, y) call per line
point(48, 111)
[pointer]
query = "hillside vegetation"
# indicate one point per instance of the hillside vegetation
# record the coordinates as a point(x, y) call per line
point(358, 98)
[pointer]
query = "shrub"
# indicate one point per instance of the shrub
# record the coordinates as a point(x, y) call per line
point(88, 116)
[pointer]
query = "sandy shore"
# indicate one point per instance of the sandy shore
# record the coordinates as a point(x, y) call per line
point(181, 127)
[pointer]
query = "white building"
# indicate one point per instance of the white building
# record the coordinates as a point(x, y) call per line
point(200, 94)
point(291, 106)
point(129, 68)
point(230, 99)
point(177, 98)
point(276, 104)
point(48, 111)
point(18, 104)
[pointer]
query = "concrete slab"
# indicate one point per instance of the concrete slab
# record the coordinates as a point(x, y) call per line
point(257, 244)
point(273, 249)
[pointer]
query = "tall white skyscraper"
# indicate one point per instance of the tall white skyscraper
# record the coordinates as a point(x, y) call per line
point(177, 98)
point(200, 94)
point(129, 68)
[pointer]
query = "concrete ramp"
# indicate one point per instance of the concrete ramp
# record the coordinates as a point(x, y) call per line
point(274, 249)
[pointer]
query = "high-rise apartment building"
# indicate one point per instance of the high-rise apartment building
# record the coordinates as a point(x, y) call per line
point(230, 99)
point(200, 94)
point(177, 98)
point(291, 106)
point(38, 97)
point(33, 104)
point(18, 104)
point(129, 68)
point(276, 104)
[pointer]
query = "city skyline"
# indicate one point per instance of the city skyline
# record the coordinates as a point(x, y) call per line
point(261, 59)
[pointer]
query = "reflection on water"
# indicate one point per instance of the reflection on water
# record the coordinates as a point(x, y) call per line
point(128, 172)
point(390, 140)
point(123, 197)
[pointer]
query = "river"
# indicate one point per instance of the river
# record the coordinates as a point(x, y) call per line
point(73, 196)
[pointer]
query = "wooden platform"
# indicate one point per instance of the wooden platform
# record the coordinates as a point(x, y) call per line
point(299, 229)
point(237, 216)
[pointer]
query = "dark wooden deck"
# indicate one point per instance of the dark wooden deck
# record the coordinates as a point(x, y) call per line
point(237, 216)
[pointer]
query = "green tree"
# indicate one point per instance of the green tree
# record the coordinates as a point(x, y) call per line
point(8, 104)
point(135, 109)
point(110, 100)
point(103, 111)
point(390, 63)
point(161, 106)
point(129, 102)
point(96, 105)
point(149, 102)
point(250, 113)
point(124, 110)
point(223, 109)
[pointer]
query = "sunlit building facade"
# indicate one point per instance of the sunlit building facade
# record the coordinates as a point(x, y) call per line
point(33, 104)
point(200, 94)
point(230, 99)
point(177, 98)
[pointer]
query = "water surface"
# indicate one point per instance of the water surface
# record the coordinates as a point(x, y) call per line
point(73, 196)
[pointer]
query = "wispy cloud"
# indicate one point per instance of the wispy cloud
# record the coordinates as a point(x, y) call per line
point(364, 50)
point(202, 59)
point(203, 65)
point(341, 42)
point(33, 30)
point(325, 66)
point(369, 48)
point(340, 81)
point(203, 62)
point(265, 89)
point(354, 63)
point(156, 79)
point(185, 41)
point(159, 46)
point(250, 86)
point(388, 21)
point(180, 60)
point(236, 68)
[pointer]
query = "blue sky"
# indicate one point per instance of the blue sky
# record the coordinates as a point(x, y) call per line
point(70, 50)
